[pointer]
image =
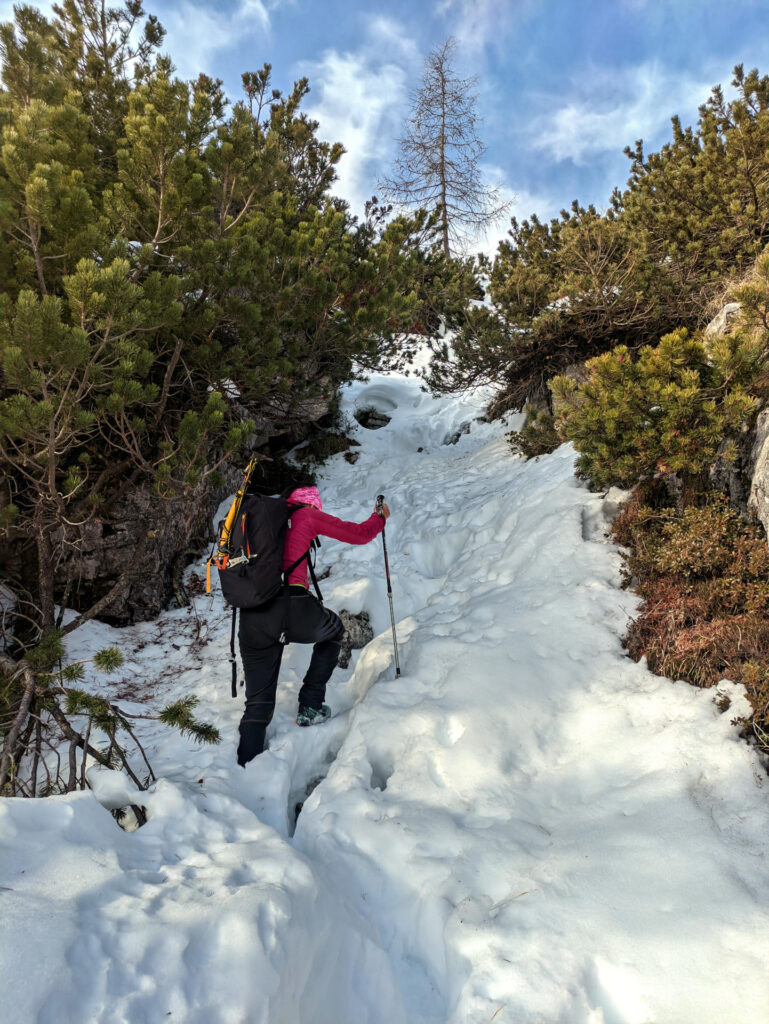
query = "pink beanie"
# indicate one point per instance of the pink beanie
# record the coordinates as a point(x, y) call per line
point(306, 496)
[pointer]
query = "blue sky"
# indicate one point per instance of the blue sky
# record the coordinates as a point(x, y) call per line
point(563, 85)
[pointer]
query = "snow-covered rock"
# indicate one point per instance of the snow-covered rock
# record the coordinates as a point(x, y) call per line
point(112, 789)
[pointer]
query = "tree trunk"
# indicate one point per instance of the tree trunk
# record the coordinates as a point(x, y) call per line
point(45, 578)
point(444, 212)
point(693, 490)
point(20, 718)
point(34, 238)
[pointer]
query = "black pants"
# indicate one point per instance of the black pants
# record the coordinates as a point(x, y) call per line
point(305, 621)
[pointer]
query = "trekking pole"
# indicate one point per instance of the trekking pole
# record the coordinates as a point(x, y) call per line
point(379, 503)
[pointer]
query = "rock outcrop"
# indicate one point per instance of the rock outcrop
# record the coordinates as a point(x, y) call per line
point(143, 535)
point(358, 633)
point(758, 500)
point(746, 479)
point(371, 419)
point(148, 536)
point(725, 321)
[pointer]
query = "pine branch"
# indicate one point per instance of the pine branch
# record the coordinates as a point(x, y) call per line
point(179, 715)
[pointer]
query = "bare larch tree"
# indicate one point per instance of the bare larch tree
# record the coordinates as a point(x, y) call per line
point(437, 163)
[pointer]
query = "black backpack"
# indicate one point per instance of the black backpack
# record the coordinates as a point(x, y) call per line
point(251, 567)
point(249, 555)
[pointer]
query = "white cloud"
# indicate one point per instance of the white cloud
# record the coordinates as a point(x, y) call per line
point(526, 203)
point(196, 32)
point(473, 22)
point(359, 99)
point(487, 240)
point(476, 24)
point(384, 35)
point(615, 109)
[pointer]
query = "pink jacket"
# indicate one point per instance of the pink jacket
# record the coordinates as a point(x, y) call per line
point(308, 523)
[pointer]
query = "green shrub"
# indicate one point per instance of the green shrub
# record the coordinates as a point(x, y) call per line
point(666, 411)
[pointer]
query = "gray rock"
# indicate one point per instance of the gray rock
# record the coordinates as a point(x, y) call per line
point(722, 323)
point(455, 436)
point(144, 535)
point(577, 372)
point(730, 477)
point(153, 538)
point(7, 606)
point(371, 419)
point(758, 500)
point(358, 633)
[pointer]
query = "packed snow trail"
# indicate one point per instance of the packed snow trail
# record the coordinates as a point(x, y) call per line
point(525, 828)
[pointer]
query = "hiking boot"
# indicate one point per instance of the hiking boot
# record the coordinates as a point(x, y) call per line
point(311, 716)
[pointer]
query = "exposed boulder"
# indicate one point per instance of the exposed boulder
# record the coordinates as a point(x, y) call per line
point(358, 633)
point(733, 477)
point(7, 607)
point(725, 321)
point(371, 419)
point(577, 372)
point(143, 535)
point(745, 478)
point(453, 438)
point(758, 500)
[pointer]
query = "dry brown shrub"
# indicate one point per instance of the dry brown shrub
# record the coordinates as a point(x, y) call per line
point(704, 575)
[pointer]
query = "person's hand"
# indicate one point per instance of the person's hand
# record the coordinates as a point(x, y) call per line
point(382, 510)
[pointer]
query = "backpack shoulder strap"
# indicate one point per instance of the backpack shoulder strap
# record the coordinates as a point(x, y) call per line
point(287, 572)
point(233, 660)
point(311, 567)
point(295, 565)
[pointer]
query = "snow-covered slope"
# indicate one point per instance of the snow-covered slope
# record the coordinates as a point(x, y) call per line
point(525, 827)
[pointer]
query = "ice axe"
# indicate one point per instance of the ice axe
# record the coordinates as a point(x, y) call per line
point(379, 503)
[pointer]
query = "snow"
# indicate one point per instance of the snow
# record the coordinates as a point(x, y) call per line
point(526, 827)
point(112, 789)
point(226, 387)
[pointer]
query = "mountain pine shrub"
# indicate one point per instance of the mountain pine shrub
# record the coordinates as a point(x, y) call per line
point(174, 271)
point(666, 410)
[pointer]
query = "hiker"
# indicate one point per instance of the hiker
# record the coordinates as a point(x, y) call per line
point(295, 616)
